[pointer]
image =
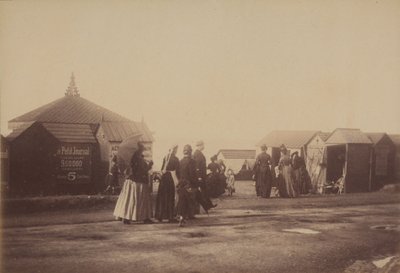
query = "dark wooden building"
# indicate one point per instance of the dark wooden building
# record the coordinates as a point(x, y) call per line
point(349, 153)
point(66, 145)
point(383, 159)
point(396, 141)
point(4, 156)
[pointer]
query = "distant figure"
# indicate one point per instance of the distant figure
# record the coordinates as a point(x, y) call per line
point(286, 173)
point(134, 201)
point(221, 165)
point(113, 175)
point(186, 186)
point(230, 182)
point(302, 180)
point(165, 202)
point(215, 180)
point(222, 170)
point(201, 174)
point(262, 173)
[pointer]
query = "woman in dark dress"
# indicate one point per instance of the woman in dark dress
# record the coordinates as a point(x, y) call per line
point(213, 177)
point(165, 202)
point(302, 180)
point(262, 173)
point(187, 186)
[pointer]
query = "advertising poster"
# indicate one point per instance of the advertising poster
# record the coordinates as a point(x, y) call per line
point(74, 163)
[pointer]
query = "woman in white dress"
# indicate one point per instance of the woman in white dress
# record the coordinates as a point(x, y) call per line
point(134, 201)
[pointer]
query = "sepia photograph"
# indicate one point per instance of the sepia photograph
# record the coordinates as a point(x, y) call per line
point(200, 136)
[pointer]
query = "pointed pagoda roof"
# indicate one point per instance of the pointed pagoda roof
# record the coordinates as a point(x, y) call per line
point(72, 89)
point(72, 108)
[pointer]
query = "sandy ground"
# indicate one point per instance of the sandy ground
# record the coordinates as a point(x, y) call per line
point(243, 234)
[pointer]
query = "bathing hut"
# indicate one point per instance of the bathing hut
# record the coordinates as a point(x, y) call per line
point(65, 146)
point(383, 157)
point(349, 155)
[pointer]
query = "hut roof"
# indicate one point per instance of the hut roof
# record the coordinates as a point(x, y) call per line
point(348, 136)
point(395, 139)
point(291, 139)
point(118, 131)
point(324, 135)
point(3, 141)
point(70, 109)
point(78, 133)
point(18, 131)
point(237, 154)
point(375, 137)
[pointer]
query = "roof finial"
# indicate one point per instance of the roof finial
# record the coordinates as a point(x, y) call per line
point(72, 89)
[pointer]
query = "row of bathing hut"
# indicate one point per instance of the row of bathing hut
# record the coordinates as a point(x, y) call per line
point(64, 147)
point(367, 161)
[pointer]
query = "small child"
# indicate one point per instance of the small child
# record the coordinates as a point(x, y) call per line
point(230, 181)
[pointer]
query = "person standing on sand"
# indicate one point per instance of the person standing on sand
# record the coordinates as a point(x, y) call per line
point(201, 174)
point(186, 186)
point(165, 202)
point(134, 201)
point(286, 171)
point(262, 173)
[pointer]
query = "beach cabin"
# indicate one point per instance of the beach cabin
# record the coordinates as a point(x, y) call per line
point(396, 141)
point(316, 161)
point(66, 146)
point(240, 161)
point(383, 159)
point(349, 155)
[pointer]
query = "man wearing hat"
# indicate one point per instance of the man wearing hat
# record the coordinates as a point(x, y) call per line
point(201, 173)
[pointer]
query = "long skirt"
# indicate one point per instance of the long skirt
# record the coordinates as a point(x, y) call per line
point(186, 203)
point(264, 182)
point(134, 202)
point(303, 180)
point(165, 202)
point(287, 175)
point(215, 185)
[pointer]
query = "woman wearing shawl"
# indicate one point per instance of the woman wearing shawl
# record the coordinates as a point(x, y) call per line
point(165, 202)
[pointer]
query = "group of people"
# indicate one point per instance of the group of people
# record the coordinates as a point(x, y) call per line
point(182, 190)
point(290, 175)
point(219, 179)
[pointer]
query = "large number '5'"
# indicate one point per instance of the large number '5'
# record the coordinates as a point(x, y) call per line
point(71, 176)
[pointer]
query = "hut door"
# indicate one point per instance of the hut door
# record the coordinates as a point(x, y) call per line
point(381, 160)
point(336, 158)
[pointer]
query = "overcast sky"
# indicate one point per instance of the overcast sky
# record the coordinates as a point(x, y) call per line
point(227, 72)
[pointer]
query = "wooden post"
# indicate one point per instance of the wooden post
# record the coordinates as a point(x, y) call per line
point(370, 168)
point(345, 168)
